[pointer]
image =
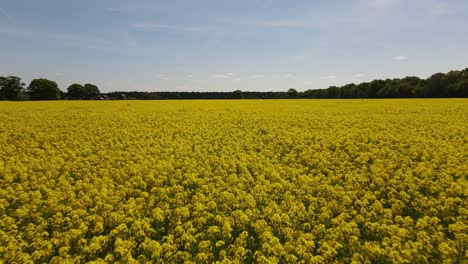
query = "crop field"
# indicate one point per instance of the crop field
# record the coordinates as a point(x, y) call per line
point(240, 181)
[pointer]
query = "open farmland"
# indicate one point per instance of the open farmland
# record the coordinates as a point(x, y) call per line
point(272, 181)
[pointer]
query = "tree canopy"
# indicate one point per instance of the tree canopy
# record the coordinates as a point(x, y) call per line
point(444, 85)
point(91, 91)
point(78, 91)
point(11, 88)
point(75, 91)
point(439, 85)
point(44, 89)
point(292, 93)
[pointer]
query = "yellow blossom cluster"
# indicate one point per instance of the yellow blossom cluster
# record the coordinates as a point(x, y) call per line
point(241, 181)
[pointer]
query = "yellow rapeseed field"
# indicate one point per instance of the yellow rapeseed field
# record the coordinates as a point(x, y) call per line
point(263, 181)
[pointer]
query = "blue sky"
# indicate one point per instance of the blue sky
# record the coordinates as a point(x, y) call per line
point(220, 45)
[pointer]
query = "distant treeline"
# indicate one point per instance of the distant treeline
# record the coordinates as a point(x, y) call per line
point(439, 85)
point(238, 94)
point(451, 84)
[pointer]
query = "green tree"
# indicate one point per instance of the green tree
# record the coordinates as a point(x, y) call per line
point(410, 86)
point(374, 87)
point(43, 89)
point(391, 89)
point(362, 90)
point(11, 88)
point(434, 85)
point(462, 89)
point(76, 91)
point(349, 91)
point(91, 91)
point(237, 94)
point(292, 93)
point(333, 92)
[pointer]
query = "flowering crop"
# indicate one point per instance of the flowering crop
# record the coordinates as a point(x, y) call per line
point(280, 181)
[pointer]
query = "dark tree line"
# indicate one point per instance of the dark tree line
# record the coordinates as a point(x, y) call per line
point(78, 91)
point(439, 85)
point(196, 95)
point(11, 88)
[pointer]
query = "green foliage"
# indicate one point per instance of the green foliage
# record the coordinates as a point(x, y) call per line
point(43, 89)
point(439, 85)
point(11, 88)
point(451, 84)
point(76, 91)
point(237, 94)
point(292, 93)
point(91, 91)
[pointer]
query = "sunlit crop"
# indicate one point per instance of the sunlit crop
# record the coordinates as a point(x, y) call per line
point(272, 181)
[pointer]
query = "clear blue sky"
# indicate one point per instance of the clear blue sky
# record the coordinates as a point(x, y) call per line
point(221, 45)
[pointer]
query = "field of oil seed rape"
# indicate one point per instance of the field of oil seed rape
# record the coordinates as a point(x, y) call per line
point(264, 181)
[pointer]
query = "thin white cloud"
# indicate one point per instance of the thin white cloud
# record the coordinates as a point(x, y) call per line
point(285, 23)
point(372, 15)
point(359, 75)
point(190, 76)
point(439, 8)
point(220, 76)
point(229, 75)
point(307, 21)
point(400, 58)
point(298, 58)
point(129, 40)
point(113, 9)
point(65, 39)
point(182, 28)
point(163, 77)
point(328, 77)
point(150, 26)
point(289, 76)
point(5, 14)
point(383, 4)
point(257, 76)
